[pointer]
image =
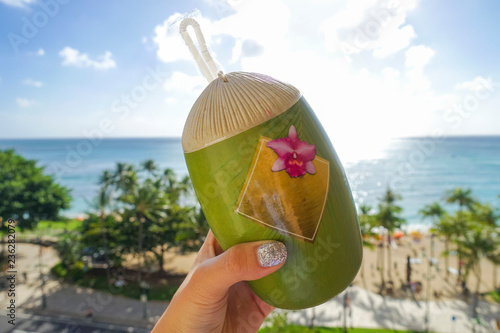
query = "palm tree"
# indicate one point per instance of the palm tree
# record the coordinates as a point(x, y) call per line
point(100, 204)
point(146, 202)
point(464, 199)
point(366, 223)
point(192, 229)
point(446, 227)
point(487, 215)
point(476, 243)
point(180, 226)
point(149, 166)
point(164, 231)
point(388, 217)
point(435, 212)
point(106, 179)
point(125, 177)
point(172, 187)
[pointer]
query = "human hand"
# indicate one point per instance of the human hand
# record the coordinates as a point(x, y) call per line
point(214, 296)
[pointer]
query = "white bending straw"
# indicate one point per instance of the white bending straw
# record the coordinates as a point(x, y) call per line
point(206, 63)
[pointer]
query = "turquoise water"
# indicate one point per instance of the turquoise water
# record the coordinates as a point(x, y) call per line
point(420, 169)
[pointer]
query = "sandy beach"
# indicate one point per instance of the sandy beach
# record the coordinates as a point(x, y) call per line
point(370, 309)
point(443, 285)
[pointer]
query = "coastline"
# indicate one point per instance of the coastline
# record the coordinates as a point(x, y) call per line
point(461, 161)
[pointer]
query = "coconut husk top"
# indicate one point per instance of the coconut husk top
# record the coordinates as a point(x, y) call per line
point(232, 104)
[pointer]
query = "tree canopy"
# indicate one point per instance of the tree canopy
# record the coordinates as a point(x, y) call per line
point(28, 195)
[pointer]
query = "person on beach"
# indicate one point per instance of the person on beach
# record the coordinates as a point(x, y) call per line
point(214, 296)
point(89, 315)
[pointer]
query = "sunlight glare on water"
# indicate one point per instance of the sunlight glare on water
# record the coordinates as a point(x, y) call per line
point(353, 151)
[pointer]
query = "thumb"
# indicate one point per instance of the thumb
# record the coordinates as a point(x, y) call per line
point(241, 262)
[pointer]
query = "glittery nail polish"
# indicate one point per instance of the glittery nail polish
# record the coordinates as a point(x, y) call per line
point(271, 254)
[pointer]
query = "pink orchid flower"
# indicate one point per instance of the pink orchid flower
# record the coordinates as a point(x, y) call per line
point(294, 156)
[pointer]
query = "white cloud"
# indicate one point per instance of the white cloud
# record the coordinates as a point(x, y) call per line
point(268, 37)
point(393, 40)
point(390, 73)
point(339, 95)
point(73, 57)
point(377, 25)
point(478, 83)
point(171, 46)
point(24, 102)
point(33, 83)
point(417, 57)
point(248, 42)
point(180, 85)
point(352, 102)
point(18, 3)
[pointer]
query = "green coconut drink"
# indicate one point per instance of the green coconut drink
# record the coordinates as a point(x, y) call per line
point(263, 169)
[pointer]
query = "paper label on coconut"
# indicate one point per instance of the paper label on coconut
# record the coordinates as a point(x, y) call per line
point(286, 187)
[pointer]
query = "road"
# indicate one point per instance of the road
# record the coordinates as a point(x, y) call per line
point(27, 323)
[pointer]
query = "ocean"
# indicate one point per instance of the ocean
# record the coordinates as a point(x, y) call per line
point(421, 170)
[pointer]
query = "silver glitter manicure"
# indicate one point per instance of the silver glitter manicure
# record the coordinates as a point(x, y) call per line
point(271, 254)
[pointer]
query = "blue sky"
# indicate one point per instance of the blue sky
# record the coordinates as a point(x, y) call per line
point(370, 69)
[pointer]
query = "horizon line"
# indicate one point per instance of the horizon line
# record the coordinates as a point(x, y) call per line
point(179, 137)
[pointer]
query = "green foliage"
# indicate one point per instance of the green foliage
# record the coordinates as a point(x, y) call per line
point(69, 250)
point(131, 289)
point(68, 225)
point(461, 196)
point(433, 211)
point(59, 270)
point(388, 214)
point(74, 274)
point(142, 206)
point(478, 241)
point(191, 234)
point(494, 295)
point(28, 195)
point(366, 223)
point(472, 229)
point(278, 319)
point(118, 234)
point(303, 329)
point(485, 214)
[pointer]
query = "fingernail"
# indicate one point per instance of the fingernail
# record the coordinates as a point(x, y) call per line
point(271, 254)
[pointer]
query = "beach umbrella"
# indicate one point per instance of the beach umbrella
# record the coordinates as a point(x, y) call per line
point(398, 234)
point(264, 169)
